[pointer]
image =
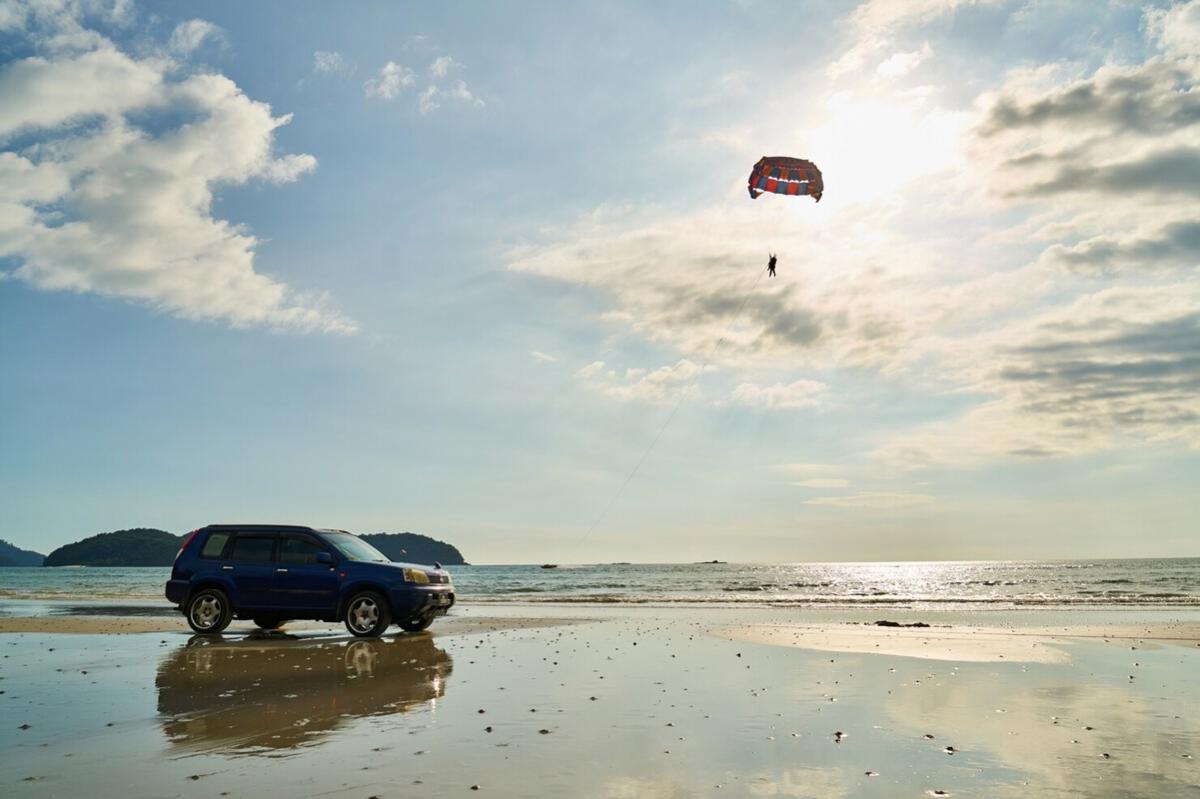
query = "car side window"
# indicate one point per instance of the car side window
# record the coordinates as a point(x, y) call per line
point(215, 545)
point(253, 547)
point(298, 550)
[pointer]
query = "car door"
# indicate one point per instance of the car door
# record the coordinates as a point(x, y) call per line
point(251, 565)
point(300, 581)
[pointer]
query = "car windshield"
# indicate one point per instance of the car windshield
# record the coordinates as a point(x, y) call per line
point(354, 548)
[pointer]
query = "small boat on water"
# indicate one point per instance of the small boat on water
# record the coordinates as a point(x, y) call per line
point(549, 565)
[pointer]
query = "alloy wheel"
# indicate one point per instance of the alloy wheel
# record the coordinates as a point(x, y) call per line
point(363, 615)
point(206, 611)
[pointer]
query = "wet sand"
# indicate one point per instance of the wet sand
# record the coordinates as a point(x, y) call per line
point(114, 622)
point(962, 643)
point(608, 702)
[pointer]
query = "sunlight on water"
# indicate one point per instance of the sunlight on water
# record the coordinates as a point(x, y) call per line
point(1165, 582)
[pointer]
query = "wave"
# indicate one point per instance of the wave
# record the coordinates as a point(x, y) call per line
point(1165, 599)
point(986, 582)
point(78, 595)
point(1144, 600)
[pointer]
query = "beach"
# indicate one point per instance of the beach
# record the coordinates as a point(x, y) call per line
point(626, 701)
point(651, 400)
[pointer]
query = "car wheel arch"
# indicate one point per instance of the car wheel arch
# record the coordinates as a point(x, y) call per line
point(348, 592)
point(220, 585)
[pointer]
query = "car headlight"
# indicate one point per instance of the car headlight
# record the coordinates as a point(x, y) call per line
point(416, 576)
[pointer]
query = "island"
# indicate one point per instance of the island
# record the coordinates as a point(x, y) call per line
point(140, 546)
point(415, 548)
point(148, 546)
point(12, 555)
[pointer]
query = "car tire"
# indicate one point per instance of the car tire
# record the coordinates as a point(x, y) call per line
point(416, 624)
point(209, 611)
point(269, 624)
point(367, 615)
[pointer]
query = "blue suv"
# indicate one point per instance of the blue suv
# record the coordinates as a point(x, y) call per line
point(272, 574)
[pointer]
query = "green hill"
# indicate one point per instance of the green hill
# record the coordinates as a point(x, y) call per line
point(150, 547)
point(415, 548)
point(138, 547)
point(15, 556)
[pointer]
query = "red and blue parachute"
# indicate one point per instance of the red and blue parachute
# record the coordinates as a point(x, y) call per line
point(782, 175)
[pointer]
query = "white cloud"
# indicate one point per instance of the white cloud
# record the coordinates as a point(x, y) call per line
point(1177, 29)
point(660, 386)
point(1111, 161)
point(12, 16)
point(876, 24)
point(1116, 365)
point(807, 468)
point(1162, 248)
point(899, 64)
point(694, 281)
point(461, 94)
point(43, 92)
point(122, 210)
point(330, 62)
point(875, 500)
point(432, 96)
point(57, 25)
point(1058, 177)
point(392, 79)
point(543, 357)
point(800, 394)
point(442, 65)
point(823, 482)
point(886, 15)
point(428, 99)
point(188, 36)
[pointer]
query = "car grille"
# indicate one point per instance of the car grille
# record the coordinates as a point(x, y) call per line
point(440, 579)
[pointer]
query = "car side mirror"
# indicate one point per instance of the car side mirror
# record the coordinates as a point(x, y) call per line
point(325, 557)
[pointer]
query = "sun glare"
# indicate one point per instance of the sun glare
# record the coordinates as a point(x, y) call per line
point(874, 147)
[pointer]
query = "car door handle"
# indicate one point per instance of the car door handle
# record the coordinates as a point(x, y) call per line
point(227, 568)
point(281, 571)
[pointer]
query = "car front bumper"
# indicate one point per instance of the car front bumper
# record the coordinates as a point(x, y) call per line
point(436, 599)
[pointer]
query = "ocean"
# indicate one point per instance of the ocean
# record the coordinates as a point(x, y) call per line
point(1173, 582)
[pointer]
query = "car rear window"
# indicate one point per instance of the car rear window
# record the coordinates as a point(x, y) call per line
point(215, 545)
point(253, 547)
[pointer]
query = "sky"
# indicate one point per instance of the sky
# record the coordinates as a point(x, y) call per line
point(490, 272)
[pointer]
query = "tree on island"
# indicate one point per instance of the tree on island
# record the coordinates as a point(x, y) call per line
point(141, 546)
point(146, 546)
point(11, 555)
point(415, 548)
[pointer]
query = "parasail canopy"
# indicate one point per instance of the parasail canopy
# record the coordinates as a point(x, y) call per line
point(780, 174)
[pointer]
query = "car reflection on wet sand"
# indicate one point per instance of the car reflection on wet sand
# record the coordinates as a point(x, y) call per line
point(271, 692)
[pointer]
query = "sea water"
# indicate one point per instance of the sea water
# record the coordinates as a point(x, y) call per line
point(1173, 582)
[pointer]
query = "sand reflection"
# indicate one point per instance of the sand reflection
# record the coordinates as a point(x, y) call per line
point(269, 694)
point(1067, 734)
